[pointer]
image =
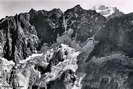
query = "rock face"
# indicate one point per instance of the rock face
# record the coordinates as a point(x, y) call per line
point(109, 72)
point(117, 35)
point(111, 58)
point(48, 24)
point(84, 23)
point(18, 37)
point(75, 49)
point(22, 34)
point(31, 73)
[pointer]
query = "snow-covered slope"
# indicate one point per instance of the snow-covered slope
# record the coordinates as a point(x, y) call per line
point(107, 11)
point(28, 69)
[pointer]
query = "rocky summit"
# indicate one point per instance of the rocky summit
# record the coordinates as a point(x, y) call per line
point(75, 49)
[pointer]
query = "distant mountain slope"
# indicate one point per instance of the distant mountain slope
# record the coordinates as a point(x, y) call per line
point(108, 12)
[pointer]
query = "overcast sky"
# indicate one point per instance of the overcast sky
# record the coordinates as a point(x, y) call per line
point(11, 7)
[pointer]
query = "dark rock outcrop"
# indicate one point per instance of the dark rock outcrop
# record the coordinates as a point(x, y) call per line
point(18, 37)
point(66, 81)
point(22, 34)
point(84, 23)
point(104, 45)
point(48, 24)
point(109, 65)
point(109, 72)
point(116, 36)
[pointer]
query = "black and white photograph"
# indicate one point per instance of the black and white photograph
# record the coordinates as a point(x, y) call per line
point(66, 44)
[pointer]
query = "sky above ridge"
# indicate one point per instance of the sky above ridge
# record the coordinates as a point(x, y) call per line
point(11, 7)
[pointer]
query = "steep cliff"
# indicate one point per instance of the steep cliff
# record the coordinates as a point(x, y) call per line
point(75, 49)
point(18, 37)
point(84, 23)
point(48, 24)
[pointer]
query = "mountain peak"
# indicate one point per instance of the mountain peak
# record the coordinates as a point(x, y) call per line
point(77, 7)
point(56, 10)
point(32, 10)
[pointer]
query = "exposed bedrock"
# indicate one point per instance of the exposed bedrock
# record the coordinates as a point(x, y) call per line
point(75, 49)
